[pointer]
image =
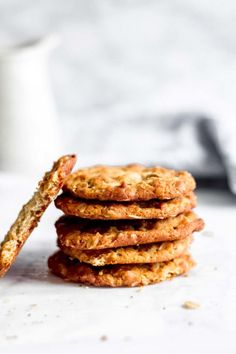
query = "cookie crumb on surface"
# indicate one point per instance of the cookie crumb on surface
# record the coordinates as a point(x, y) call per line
point(139, 289)
point(103, 338)
point(6, 300)
point(208, 233)
point(127, 339)
point(12, 337)
point(190, 305)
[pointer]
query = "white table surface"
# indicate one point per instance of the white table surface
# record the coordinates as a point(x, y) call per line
point(40, 313)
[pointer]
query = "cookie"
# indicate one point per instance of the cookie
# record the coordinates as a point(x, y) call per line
point(105, 210)
point(149, 253)
point(32, 211)
point(98, 234)
point(118, 275)
point(128, 183)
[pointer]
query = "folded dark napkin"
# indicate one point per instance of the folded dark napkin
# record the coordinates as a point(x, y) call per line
point(203, 146)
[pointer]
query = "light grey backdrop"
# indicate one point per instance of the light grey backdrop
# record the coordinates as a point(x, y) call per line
point(122, 61)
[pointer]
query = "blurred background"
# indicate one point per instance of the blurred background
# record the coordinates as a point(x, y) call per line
point(119, 81)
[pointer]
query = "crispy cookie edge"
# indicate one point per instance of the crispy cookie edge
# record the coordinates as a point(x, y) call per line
point(32, 211)
point(89, 241)
point(118, 275)
point(100, 210)
point(147, 253)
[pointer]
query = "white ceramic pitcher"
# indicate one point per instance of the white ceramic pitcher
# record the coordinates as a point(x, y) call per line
point(29, 139)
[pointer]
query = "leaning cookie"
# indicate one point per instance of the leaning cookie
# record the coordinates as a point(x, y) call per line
point(105, 210)
point(79, 233)
point(118, 275)
point(129, 183)
point(32, 211)
point(150, 253)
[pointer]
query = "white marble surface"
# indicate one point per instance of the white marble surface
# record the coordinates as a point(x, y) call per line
point(39, 312)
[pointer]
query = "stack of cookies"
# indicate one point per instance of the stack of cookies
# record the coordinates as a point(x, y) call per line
point(125, 226)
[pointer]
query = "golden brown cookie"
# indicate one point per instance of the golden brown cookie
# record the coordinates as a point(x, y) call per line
point(105, 210)
point(131, 182)
point(98, 234)
point(149, 253)
point(118, 275)
point(32, 211)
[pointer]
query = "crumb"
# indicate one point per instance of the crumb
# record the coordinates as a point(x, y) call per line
point(103, 338)
point(208, 233)
point(36, 322)
point(190, 305)
point(11, 337)
point(6, 300)
point(127, 339)
point(139, 289)
point(81, 285)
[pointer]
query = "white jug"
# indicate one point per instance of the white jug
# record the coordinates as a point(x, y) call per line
point(29, 139)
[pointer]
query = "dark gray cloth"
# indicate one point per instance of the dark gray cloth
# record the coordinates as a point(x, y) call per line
point(199, 144)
